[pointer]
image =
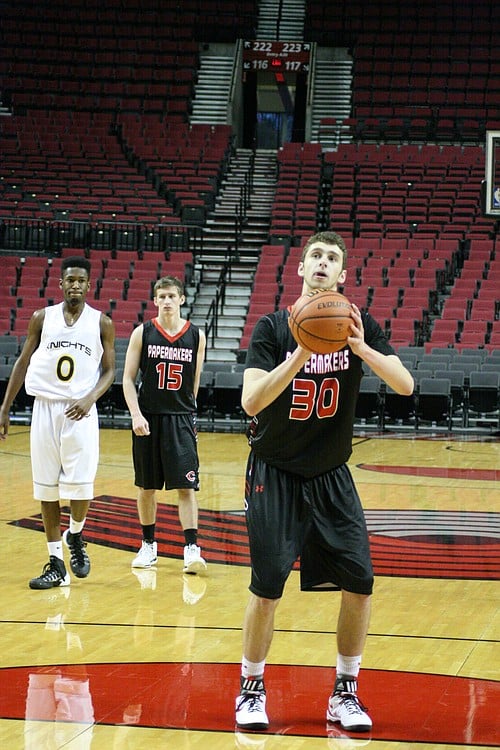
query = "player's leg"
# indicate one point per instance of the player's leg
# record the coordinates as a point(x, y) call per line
point(79, 438)
point(148, 478)
point(344, 705)
point(188, 518)
point(272, 525)
point(46, 467)
point(353, 622)
point(146, 506)
point(258, 627)
point(146, 509)
point(340, 529)
point(51, 517)
point(180, 465)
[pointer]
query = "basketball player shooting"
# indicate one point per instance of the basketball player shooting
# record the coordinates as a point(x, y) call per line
point(300, 498)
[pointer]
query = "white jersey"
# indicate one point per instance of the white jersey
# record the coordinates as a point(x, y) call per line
point(67, 363)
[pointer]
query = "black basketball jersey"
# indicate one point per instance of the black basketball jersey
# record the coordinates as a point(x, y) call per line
point(308, 429)
point(167, 369)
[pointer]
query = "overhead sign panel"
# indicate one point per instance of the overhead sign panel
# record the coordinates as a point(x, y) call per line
point(274, 56)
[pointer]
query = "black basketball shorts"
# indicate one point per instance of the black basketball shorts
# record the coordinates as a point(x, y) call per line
point(168, 456)
point(318, 520)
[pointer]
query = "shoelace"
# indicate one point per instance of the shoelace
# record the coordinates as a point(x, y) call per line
point(77, 550)
point(49, 573)
point(253, 700)
point(352, 703)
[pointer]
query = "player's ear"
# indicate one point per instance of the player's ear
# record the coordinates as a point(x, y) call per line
point(342, 277)
point(300, 269)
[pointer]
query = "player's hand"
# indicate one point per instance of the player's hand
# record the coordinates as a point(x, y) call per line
point(357, 337)
point(79, 409)
point(140, 425)
point(4, 428)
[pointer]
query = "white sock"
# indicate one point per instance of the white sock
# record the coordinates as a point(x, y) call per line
point(56, 549)
point(348, 665)
point(75, 526)
point(252, 668)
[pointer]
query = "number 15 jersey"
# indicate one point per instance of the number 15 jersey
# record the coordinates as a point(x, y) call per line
point(167, 369)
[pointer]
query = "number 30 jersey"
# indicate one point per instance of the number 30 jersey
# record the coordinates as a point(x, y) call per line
point(167, 369)
point(308, 429)
point(66, 364)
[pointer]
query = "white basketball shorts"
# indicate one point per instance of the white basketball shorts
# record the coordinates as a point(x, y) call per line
point(64, 452)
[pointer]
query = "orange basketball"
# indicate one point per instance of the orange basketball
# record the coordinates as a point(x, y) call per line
point(320, 321)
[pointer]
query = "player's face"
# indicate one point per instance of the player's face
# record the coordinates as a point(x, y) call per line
point(168, 300)
point(75, 285)
point(322, 267)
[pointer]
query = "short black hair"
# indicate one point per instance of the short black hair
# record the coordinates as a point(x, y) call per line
point(76, 261)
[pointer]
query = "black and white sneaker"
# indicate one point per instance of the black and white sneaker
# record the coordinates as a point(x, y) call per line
point(251, 711)
point(251, 704)
point(53, 574)
point(79, 560)
point(345, 707)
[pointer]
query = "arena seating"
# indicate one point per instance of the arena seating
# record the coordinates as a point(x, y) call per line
point(121, 287)
point(419, 74)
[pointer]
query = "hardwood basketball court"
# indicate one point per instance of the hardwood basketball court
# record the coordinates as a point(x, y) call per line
point(150, 659)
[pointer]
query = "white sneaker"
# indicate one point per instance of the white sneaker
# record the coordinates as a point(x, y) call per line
point(251, 711)
point(146, 557)
point(193, 561)
point(347, 709)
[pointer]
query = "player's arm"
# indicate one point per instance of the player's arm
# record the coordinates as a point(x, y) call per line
point(80, 408)
point(132, 363)
point(200, 358)
point(261, 388)
point(387, 366)
point(18, 373)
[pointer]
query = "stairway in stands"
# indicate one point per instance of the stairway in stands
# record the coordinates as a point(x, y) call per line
point(212, 90)
point(283, 20)
point(331, 96)
point(249, 187)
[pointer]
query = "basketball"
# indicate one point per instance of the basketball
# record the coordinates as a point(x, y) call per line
point(320, 321)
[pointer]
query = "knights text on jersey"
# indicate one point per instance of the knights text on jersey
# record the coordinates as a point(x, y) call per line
point(167, 369)
point(66, 364)
point(308, 429)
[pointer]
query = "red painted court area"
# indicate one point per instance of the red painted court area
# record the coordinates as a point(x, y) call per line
point(487, 475)
point(404, 706)
point(429, 553)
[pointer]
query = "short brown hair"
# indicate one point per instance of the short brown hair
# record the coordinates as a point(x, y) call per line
point(169, 281)
point(328, 238)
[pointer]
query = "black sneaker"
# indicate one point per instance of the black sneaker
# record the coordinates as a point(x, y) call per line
point(79, 560)
point(53, 574)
